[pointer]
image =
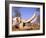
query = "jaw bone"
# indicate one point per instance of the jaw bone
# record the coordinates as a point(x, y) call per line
point(32, 19)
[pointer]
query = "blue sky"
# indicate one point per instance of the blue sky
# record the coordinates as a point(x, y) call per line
point(26, 12)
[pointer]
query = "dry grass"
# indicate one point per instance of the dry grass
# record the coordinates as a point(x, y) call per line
point(26, 27)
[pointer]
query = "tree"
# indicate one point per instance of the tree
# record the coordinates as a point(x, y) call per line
point(18, 14)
